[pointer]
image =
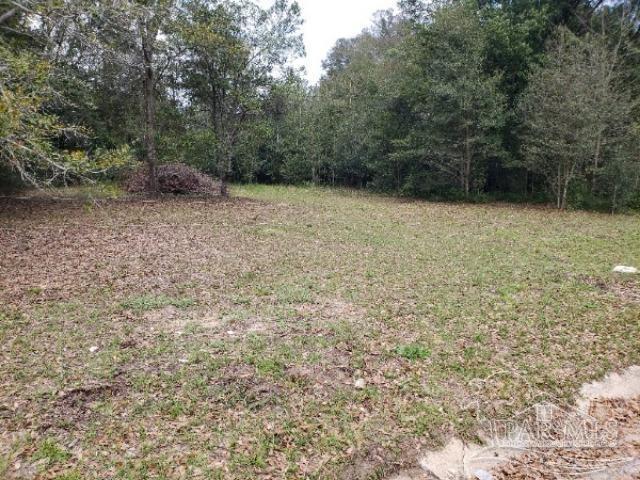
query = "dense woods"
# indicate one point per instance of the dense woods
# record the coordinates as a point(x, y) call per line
point(527, 100)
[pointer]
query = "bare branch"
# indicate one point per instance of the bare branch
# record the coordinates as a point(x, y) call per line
point(7, 15)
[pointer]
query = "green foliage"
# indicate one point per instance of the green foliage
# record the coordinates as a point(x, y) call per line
point(102, 161)
point(451, 99)
point(430, 103)
point(577, 119)
point(460, 107)
point(116, 158)
point(49, 449)
point(195, 147)
point(234, 48)
point(29, 135)
point(25, 130)
point(413, 352)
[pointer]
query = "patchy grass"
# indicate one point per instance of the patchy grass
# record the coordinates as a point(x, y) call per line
point(52, 452)
point(184, 338)
point(145, 303)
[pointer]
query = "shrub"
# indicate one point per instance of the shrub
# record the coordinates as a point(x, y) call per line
point(175, 179)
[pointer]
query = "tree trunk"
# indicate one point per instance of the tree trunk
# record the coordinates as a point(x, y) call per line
point(596, 162)
point(224, 188)
point(467, 162)
point(565, 192)
point(559, 191)
point(149, 98)
point(224, 175)
point(225, 167)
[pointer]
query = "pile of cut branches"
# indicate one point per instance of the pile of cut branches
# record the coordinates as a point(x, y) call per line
point(176, 179)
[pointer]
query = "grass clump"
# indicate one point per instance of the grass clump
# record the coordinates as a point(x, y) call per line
point(413, 352)
point(52, 451)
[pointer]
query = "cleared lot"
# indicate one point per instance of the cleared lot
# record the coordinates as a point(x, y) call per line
point(292, 332)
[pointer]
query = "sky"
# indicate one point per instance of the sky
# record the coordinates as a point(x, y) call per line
point(325, 21)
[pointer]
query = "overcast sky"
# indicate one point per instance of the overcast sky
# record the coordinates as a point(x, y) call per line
point(325, 21)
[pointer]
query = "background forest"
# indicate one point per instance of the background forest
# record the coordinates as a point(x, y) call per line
point(521, 100)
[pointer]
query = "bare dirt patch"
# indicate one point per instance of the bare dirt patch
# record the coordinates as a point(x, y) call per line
point(77, 404)
point(378, 461)
point(626, 290)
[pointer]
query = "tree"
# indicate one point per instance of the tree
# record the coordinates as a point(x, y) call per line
point(32, 138)
point(576, 114)
point(150, 18)
point(353, 110)
point(93, 38)
point(285, 155)
point(451, 97)
point(232, 50)
point(25, 130)
point(459, 106)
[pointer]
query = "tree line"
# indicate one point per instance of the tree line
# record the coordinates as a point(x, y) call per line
point(523, 100)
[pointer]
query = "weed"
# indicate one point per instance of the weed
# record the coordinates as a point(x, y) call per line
point(413, 352)
point(49, 449)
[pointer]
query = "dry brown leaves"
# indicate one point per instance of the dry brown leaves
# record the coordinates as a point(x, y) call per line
point(621, 462)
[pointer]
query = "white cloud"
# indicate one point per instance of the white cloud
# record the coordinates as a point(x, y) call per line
point(325, 21)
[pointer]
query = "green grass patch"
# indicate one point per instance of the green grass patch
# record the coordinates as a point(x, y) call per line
point(50, 450)
point(413, 352)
